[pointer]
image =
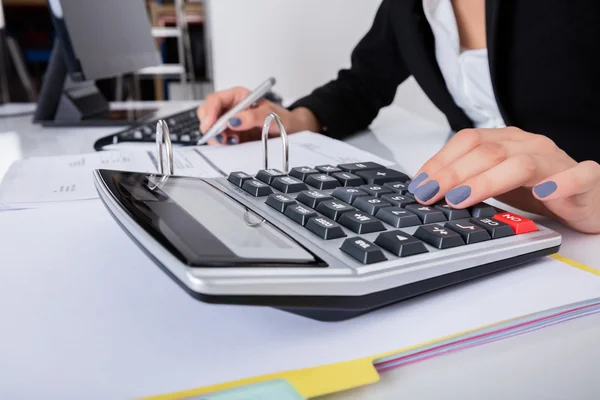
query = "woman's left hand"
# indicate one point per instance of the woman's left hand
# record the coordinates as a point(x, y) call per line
point(521, 169)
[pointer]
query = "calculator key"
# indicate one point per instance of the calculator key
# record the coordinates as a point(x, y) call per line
point(400, 244)
point(381, 176)
point(312, 197)
point(398, 217)
point(348, 194)
point(268, 175)
point(257, 188)
point(327, 169)
point(375, 190)
point(398, 200)
point(363, 250)
point(452, 214)
point(322, 181)
point(496, 229)
point(470, 232)
point(238, 178)
point(355, 167)
point(288, 184)
point(361, 223)
point(299, 213)
point(439, 236)
point(348, 179)
point(519, 225)
point(334, 209)
point(482, 210)
point(280, 201)
point(325, 228)
point(427, 214)
point(302, 172)
point(397, 187)
point(370, 204)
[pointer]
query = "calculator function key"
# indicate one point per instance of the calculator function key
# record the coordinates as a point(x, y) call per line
point(363, 250)
point(355, 167)
point(398, 200)
point(327, 169)
point(312, 197)
point(280, 201)
point(398, 217)
point(400, 244)
point(238, 178)
point(482, 210)
point(257, 188)
point(452, 214)
point(470, 232)
point(439, 236)
point(323, 181)
point(370, 204)
point(334, 209)
point(519, 225)
point(348, 194)
point(427, 214)
point(496, 229)
point(361, 223)
point(381, 176)
point(348, 179)
point(288, 184)
point(375, 190)
point(299, 213)
point(397, 187)
point(268, 175)
point(325, 228)
point(302, 172)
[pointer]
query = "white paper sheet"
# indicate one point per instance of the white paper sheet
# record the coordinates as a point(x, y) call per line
point(87, 315)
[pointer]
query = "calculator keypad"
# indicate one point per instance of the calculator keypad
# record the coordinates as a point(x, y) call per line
point(348, 200)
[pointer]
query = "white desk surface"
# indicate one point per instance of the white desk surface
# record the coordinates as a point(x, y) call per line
point(559, 362)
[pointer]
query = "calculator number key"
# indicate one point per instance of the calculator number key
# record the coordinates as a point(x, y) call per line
point(427, 214)
point(397, 187)
point(370, 204)
point(519, 225)
point(312, 197)
point(257, 188)
point(302, 172)
point(280, 201)
point(334, 209)
point(323, 181)
point(398, 200)
point(363, 250)
point(348, 179)
point(299, 213)
point(325, 228)
point(375, 190)
point(496, 229)
point(439, 236)
point(400, 244)
point(348, 195)
point(470, 233)
point(288, 184)
point(361, 223)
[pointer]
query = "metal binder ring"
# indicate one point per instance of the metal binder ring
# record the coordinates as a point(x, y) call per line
point(163, 136)
point(284, 139)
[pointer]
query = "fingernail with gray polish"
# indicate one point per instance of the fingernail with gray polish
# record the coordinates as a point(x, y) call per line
point(427, 191)
point(458, 194)
point(545, 189)
point(415, 182)
point(220, 139)
point(233, 140)
point(235, 122)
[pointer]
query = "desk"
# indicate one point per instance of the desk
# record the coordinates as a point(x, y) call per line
point(555, 363)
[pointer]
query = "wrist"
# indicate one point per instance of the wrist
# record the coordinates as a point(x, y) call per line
point(305, 120)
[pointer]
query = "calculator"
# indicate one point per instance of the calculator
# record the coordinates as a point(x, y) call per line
point(327, 242)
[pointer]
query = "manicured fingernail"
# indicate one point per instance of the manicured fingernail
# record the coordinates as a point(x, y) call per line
point(545, 189)
point(235, 122)
point(233, 139)
point(427, 191)
point(220, 139)
point(458, 194)
point(417, 181)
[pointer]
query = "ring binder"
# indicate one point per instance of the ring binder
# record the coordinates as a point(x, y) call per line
point(286, 145)
point(163, 137)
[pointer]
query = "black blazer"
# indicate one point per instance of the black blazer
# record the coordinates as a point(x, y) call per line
point(544, 62)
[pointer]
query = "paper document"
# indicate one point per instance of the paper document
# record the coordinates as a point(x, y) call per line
point(92, 307)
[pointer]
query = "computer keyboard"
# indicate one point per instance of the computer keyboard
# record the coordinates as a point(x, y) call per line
point(329, 242)
point(184, 127)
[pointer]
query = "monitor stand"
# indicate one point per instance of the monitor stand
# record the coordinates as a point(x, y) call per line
point(63, 102)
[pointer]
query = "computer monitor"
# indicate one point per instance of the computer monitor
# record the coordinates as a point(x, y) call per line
point(94, 40)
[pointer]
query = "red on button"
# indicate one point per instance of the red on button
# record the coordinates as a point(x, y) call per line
point(518, 224)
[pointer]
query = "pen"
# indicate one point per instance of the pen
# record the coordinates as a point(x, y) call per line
point(221, 124)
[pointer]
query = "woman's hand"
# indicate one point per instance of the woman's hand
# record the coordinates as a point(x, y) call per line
point(524, 170)
point(247, 125)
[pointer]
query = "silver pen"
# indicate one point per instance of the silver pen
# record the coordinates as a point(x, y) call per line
point(221, 124)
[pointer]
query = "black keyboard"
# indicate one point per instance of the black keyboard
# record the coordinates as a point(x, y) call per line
point(184, 127)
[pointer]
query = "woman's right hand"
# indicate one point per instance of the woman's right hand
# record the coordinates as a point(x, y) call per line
point(247, 124)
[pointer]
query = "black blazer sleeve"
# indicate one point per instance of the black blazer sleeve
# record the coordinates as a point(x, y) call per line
point(352, 101)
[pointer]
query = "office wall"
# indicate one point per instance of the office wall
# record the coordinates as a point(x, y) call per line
point(303, 43)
